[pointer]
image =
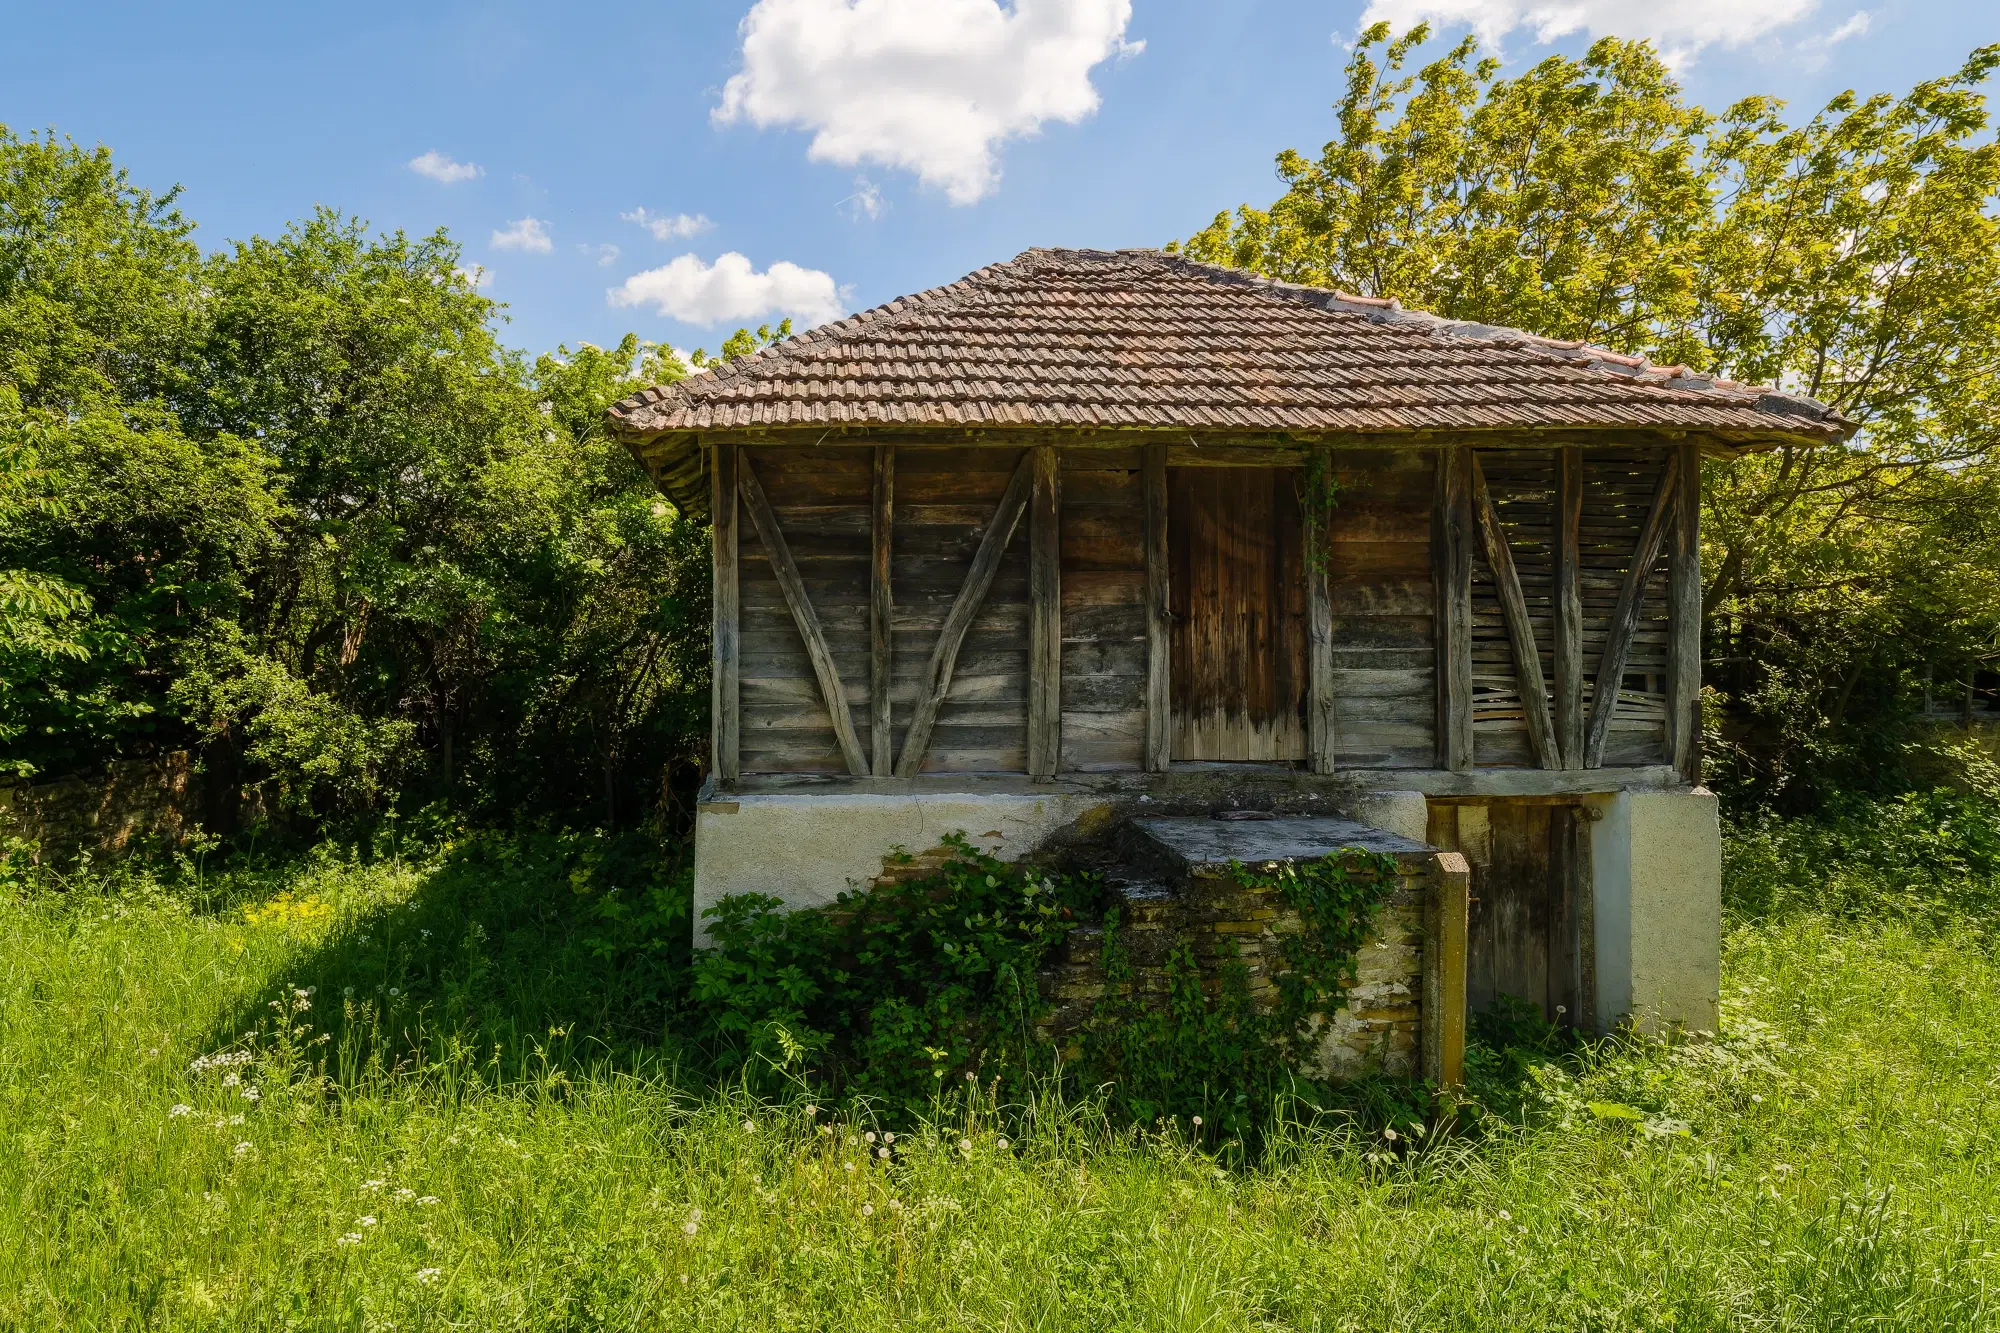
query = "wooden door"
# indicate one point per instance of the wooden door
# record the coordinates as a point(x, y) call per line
point(1524, 937)
point(1238, 602)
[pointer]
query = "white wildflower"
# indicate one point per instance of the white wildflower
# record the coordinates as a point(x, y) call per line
point(364, 1221)
point(427, 1200)
point(236, 1120)
point(373, 1184)
point(826, 1131)
point(405, 1195)
point(250, 1094)
point(242, 1148)
point(231, 1080)
point(428, 1275)
point(351, 1238)
point(179, 1109)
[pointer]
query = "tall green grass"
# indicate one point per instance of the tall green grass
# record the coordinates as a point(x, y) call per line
point(487, 1134)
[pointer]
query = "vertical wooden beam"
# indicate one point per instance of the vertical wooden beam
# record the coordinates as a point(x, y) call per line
point(1319, 627)
point(1045, 615)
point(725, 718)
point(1684, 614)
point(1451, 579)
point(831, 691)
point(881, 611)
point(1159, 642)
point(1528, 681)
point(1569, 604)
point(1625, 616)
point(936, 683)
point(1447, 917)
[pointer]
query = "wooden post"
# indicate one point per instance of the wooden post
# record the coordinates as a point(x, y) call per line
point(1159, 643)
point(1684, 614)
point(1451, 579)
point(1319, 627)
point(1569, 605)
point(1625, 617)
point(725, 719)
point(1045, 616)
point(881, 611)
point(831, 691)
point(1446, 922)
point(944, 656)
point(1528, 682)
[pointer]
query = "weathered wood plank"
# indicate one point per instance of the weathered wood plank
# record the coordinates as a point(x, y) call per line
point(1451, 578)
point(1569, 606)
point(725, 728)
point(881, 613)
point(780, 556)
point(1684, 616)
point(1320, 732)
point(985, 564)
point(1625, 617)
point(1045, 627)
point(1159, 645)
point(1520, 630)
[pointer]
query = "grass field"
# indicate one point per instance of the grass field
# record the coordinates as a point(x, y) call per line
point(534, 1160)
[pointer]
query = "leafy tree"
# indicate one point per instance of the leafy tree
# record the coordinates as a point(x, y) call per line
point(1853, 258)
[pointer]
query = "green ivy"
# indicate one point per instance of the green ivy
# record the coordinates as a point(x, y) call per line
point(1336, 897)
point(892, 990)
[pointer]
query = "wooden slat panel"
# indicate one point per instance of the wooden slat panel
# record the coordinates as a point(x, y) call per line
point(881, 612)
point(725, 733)
point(1159, 648)
point(1530, 687)
point(1624, 619)
point(1451, 557)
point(1684, 617)
point(1045, 627)
point(1569, 648)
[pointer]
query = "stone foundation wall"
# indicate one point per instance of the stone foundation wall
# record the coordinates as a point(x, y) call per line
point(131, 801)
point(1378, 1030)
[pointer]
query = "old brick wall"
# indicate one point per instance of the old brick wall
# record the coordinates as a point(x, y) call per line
point(1221, 920)
point(132, 801)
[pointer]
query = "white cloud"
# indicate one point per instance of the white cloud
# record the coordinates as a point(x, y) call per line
point(607, 255)
point(443, 170)
point(1813, 52)
point(524, 234)
point(676, 228)
point(730, 290)
point(1680, 27)
point(930, 86)
point(865, 202)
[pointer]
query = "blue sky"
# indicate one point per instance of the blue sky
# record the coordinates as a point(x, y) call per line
point(842, 151)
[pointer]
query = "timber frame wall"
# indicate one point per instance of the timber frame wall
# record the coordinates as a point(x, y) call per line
point(923, 606)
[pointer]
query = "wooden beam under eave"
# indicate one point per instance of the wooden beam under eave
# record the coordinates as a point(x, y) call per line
point(1528, 680)
point(936, 682)
point(1451, 580)
point(725, 714)
point(881, 610)
point(1159, 643)
point(1625, 616)
point(1569, 605)
point(1684, 616)
point(832, 692)
point(1045, 615)
point(1320, 743)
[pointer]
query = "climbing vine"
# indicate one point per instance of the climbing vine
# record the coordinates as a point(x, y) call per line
point(1336, 897)
point(1319, 491)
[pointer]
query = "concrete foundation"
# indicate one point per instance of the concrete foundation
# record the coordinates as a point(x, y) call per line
point(807, 849)
point(1657, 867)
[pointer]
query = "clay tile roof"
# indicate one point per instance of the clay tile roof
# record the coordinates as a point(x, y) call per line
point(1096, 339)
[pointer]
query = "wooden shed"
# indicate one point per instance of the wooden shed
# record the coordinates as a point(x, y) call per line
point(1092, 534)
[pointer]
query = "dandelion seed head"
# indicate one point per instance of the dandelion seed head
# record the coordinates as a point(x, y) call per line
point(847, 1166)
point(870, 1136)
point(347, 991)
point(965, 1145)
point(690, 1227)
point(882, 1152)
point(811, 1109)
point(1390, 1134)
point(395, 991)
point(868, 1210)
point(749, 1126)
point(1001, 1144)
point(852, 1141)
point(888, 1138)
point(1506, 1216)
point(1197, 1121)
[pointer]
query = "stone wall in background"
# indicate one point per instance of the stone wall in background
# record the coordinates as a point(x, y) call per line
point(132, 801)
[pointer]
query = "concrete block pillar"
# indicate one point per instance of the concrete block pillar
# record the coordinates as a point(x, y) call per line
point(1656, 860)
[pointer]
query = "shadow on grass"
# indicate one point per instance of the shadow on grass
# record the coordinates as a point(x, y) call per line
point(513, 951)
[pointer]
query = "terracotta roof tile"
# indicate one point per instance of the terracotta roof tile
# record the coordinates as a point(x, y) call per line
point(1109, 339)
